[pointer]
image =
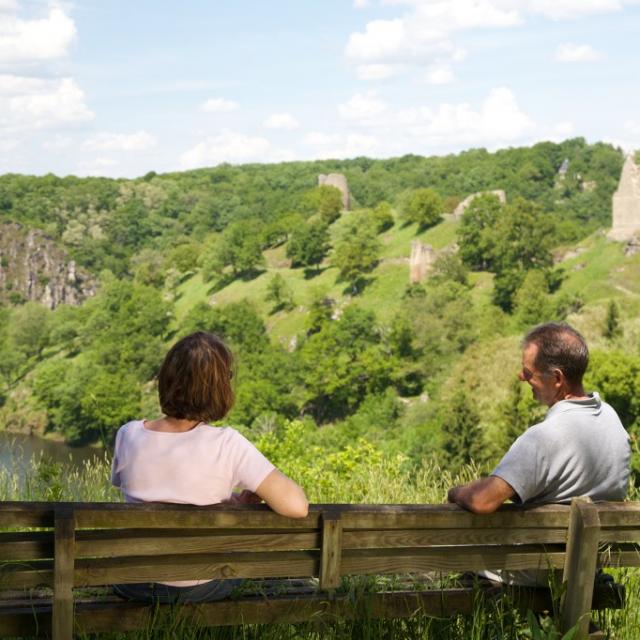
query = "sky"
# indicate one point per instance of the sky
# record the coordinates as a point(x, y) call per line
point(121, 87)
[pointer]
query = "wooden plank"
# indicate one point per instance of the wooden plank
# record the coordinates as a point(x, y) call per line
point(446, 559)
point(623, 534)
point(331, 551)
point(580, 566)
point(458, 518)
point(23, 575)
point(26, 545)
point(111, 515)
point(374, 539)
point(619, 514)
point(137, 542)
point(62, 618)
point(274, 564)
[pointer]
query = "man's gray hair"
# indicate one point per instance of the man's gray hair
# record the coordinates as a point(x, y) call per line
point(560, 346)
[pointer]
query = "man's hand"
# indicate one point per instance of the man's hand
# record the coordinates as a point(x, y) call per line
point(246, 497)
point(482, 496)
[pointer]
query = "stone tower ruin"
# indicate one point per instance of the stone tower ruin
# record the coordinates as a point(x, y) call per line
point(338, 181)
point(422, 258)
point(626, 203)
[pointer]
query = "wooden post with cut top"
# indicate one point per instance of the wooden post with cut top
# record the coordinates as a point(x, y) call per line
point(580, 566)
point(64, 543)
point(331, 550)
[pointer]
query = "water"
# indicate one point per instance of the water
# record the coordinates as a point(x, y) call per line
point(16, 450)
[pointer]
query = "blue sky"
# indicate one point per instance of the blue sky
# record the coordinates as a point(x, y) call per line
point(120, 88)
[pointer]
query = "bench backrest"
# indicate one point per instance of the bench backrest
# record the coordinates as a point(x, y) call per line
point(63, 545)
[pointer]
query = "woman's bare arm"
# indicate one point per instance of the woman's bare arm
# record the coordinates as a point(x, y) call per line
point(283, 495)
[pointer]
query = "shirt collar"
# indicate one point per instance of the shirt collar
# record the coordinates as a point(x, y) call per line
point(592, 402)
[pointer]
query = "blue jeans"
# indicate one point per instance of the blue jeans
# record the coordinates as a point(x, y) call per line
point(155, 592)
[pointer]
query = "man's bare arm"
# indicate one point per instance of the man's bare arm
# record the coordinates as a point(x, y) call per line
point(482, 496)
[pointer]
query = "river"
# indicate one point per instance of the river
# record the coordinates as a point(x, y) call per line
point(16, 450)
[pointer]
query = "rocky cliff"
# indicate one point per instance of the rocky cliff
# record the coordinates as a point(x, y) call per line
point(34, 267)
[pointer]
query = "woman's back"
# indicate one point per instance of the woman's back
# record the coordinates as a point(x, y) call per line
point(200, 466)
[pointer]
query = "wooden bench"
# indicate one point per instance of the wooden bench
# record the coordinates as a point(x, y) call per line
point(63, 546)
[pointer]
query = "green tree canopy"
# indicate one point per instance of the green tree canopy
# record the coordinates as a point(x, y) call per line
point(423, 206)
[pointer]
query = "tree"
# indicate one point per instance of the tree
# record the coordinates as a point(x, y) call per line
point(238, 247)
point(343, 362)
point(423, 206)
point(612, 327)
point(533, 304)
point(356, 254)
point(476, 232)
point(325, 200)
point(279, 292)
point(30, 329)
point(462, 437)
point(523, 239)
point(518, 412)
point(309, 244)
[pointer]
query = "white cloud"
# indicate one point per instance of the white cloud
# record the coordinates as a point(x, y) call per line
point(138, 141)
point(219, 105)
point(362, 107)
point(341, 145)
point(570, 52)
point(281, 121)
point(57, 143)
point(226, 147)
point(633, 127)
point(34, 40)
point(498, 120)
point(377, 71)
point(425, 32)
point(360, 4)
point(440, 74)
point(563, 129)
point(569, 9)
point(35, 103)
point(101, 166)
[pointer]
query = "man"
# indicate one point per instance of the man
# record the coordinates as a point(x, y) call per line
point(581, 447)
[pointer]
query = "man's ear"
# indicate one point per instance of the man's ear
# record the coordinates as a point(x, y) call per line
point(558, 377)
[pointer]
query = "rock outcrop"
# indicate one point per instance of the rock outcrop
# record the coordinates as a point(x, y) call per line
point(338, 181)
point(460, 209)
point(626, 203)
point(34, 267)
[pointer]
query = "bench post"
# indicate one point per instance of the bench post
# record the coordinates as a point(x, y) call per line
point(63, 563)
point(580, 566)
point(331, 550)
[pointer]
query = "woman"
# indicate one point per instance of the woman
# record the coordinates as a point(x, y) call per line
point(180, 458)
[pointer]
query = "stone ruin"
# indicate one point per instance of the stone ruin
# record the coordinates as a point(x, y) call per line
point(421, 261)
point(460, 209)
point(626, 203)
point(338, 181)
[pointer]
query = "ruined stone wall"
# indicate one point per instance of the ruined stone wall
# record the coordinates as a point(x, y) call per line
point(626, 203)
point(338, 181)
point(33, 267)
point(422, 258)
point(460, 209)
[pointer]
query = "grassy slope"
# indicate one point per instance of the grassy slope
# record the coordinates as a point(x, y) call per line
point(382, 295)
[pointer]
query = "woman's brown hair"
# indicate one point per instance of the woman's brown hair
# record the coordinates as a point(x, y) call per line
point(195, 379)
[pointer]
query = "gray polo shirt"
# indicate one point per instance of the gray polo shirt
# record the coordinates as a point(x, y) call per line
point(580, 449)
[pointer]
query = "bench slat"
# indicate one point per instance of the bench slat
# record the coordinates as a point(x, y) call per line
point(422, 538)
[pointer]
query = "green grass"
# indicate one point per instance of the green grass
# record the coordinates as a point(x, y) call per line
point(382, 295)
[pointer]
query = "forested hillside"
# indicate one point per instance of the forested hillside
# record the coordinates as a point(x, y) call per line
point(317, 302)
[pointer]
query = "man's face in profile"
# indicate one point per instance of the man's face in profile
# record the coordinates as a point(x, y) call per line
point(542, 384)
